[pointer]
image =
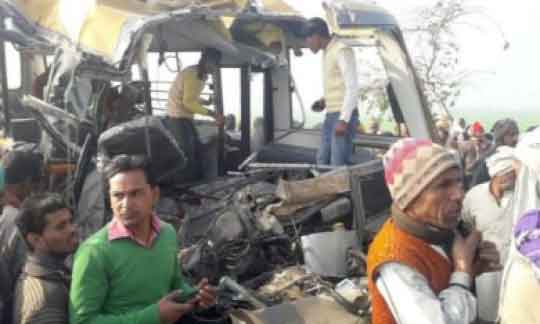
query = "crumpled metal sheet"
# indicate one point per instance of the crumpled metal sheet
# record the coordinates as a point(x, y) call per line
point(109, 27)
point(326, 253)
point(320, 188)
point(283, 284)
point(312, 310)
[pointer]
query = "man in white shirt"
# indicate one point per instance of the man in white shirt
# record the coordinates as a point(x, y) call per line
point(340, 94)
point(487, 208)
point(420, 267)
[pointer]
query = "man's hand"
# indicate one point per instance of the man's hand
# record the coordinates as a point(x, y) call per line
point(220, 120)
point(207, 294)
point(487, 259)
point(171, 311)
point(341, 128)
point(464, 251)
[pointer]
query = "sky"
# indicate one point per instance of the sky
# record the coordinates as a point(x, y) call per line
point(499, 80)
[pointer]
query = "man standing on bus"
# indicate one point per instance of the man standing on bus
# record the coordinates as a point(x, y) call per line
point(340, 94)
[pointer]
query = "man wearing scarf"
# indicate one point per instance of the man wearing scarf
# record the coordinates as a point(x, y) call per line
point(487, 208)
point(420, 268)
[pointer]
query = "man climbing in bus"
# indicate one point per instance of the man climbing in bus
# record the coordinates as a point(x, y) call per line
point(185, 102)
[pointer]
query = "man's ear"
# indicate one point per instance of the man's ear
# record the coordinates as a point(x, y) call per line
point(34, 240)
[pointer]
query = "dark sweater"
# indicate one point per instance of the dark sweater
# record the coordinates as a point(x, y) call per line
point(41, 292)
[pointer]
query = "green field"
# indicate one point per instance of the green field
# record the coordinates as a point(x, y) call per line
point(525, 118)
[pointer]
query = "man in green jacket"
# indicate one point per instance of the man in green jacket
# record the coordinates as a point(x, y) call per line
point(128, 271)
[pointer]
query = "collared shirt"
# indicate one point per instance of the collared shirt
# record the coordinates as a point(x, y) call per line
point(411, 300)
point(117, 230)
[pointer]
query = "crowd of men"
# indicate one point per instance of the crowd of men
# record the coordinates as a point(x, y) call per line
point(440, 257)
point(437, 259)
point(110, 281)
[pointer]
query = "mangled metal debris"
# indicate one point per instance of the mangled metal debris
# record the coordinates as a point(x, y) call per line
point(258, 232)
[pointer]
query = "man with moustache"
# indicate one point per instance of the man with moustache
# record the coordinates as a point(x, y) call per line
point(420, 268)
point(487, 208)
point(128, 271)
point(41, 293)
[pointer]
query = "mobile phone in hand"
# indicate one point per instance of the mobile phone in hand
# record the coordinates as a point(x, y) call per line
point(184, 296)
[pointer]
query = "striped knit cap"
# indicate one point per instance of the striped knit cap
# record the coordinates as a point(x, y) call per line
point(410, 165)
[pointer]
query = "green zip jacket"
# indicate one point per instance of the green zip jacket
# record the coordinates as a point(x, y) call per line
point(121, 282)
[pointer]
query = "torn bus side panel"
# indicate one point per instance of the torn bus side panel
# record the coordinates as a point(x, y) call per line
point(241, 227)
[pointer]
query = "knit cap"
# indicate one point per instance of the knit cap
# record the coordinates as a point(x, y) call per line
point(411, 164)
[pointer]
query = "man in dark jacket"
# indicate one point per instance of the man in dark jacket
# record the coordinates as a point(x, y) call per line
point(21, 168)
point(42, 291)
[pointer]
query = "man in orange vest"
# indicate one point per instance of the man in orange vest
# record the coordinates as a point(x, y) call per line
point(420, 267)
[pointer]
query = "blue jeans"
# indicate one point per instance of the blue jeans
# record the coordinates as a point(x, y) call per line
point(337, 150)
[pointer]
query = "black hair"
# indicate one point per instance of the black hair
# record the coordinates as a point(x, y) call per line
point(33, 212)
point(211, 54)
point(22, 164)
point(208, 54)
point(316, 26)
point(124, 163)
point(502, 127)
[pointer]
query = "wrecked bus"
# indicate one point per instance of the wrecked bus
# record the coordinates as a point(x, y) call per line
point(94, 81)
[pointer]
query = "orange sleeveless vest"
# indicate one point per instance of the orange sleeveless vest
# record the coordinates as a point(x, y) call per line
point(394, 245)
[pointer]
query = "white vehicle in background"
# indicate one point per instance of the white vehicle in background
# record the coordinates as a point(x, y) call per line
point(82, 49)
